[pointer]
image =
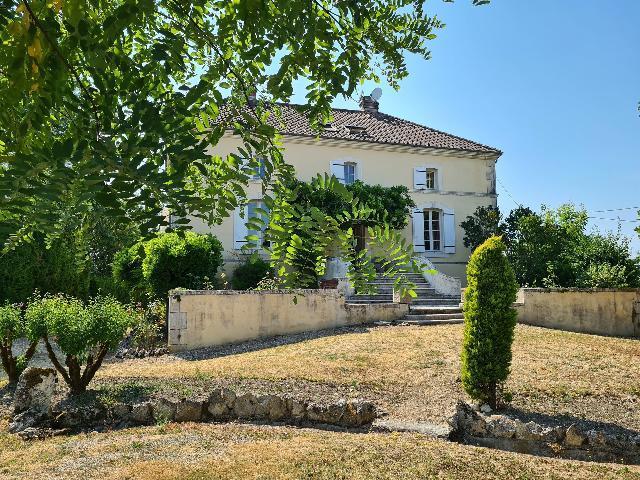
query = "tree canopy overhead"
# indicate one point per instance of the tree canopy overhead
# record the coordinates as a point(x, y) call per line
point(112, 101)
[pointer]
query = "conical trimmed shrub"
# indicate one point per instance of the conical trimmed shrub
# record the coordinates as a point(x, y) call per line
point(489, 322)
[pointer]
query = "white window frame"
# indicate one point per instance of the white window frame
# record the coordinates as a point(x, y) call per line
point(260, 172)
point(347, 167)
point(429, 230)
point(339, 170)
point(240, 228)
point(422, 175)
point(447, 230)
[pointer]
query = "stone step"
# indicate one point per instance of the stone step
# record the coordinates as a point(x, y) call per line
point(351, 301)
point(418, 289)
point(428, 309)
point(434, 316)
point(432, 322)
point(436, 301)
point(372, 296)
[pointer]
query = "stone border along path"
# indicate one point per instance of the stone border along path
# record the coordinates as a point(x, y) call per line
point(471, 426)
point(36, 417)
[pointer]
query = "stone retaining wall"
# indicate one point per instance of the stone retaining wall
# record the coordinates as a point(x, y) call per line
point(613, 312)
point(221, 405)
point(500, 431)
point(202, 318)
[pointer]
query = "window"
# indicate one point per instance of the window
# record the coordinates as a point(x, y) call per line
point(426, 178)
point(259, 172)
point(345, 172)
point(432, 230)
point(431, 179)
point(349, 173)
point(251, 214)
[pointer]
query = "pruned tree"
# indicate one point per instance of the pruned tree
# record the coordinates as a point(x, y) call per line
point(84, 333)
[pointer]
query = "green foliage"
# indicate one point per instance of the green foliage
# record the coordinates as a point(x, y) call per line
point(11, 325)
point(170, 260)
point(188, 261)
point(127, 272)
point(387, 205)
point(55, 266)
point(96, 96)
point(484, 223)
point(489, 322)
point(248, 275)
point(148, 327)
point(84, 332)
point(553, 249)
point(301, 236)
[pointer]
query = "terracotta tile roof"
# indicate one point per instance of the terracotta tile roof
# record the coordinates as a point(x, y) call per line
point(374, 127)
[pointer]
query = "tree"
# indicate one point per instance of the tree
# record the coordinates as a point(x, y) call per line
point(301, 235)
point(484, 223)
point(489, 322)
point(11, 328)
point(56, 265)
point(552, 248)
point(84, 333)
point(114, 102)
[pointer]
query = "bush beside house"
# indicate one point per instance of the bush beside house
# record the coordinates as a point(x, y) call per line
point(151, 268)
point(249, 275)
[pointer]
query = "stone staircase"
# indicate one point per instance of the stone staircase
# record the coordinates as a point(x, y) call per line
point(429, 308)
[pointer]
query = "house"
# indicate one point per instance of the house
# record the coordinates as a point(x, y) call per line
point(448, 176)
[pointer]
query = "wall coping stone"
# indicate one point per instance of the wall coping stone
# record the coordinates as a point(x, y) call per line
point(585, 290)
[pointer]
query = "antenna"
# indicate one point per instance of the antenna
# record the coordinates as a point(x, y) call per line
point(376, 93)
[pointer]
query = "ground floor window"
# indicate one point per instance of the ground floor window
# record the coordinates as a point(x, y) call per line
point(432, 230)
point(252, 212)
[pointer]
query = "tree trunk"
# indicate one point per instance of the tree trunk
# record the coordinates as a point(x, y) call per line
point(493, 395)
point(9, 362)
point(76, 383)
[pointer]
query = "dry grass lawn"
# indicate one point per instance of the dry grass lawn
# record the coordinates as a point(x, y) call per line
point(414, 370)
point(205, 451)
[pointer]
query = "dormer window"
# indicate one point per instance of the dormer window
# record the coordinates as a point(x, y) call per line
point(356, 129)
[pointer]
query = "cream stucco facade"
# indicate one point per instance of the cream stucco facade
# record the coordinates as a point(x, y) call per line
point(465, 180)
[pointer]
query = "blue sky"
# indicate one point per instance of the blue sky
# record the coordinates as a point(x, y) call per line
point(554, 84)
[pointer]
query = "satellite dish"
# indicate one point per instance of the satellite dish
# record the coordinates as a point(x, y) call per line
point(376, 93)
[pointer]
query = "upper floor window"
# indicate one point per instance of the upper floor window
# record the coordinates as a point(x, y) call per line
point(425, 178)
point(243, 227)
point(349, 173)
point(431, 178)
point(253, 213)
point(346, 172)
point(259, 171)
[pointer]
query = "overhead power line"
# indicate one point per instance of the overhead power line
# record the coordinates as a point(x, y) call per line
point(615, 219)
point(616, 209)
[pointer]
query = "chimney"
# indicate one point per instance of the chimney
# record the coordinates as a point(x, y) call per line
point(368, 104)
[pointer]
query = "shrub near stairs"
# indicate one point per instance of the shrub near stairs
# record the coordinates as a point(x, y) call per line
point(489, 321)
